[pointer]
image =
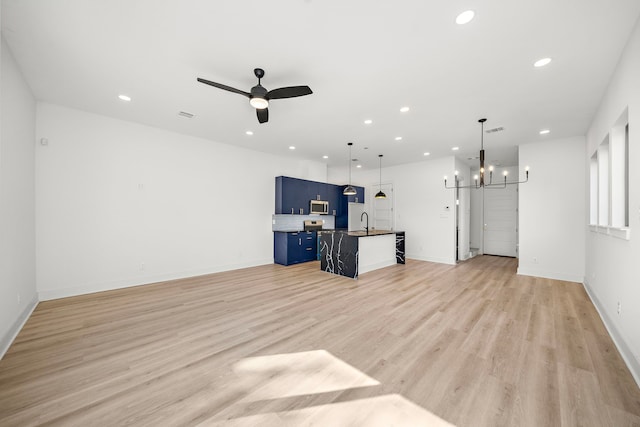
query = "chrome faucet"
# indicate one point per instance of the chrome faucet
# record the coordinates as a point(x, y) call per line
point(367, 227)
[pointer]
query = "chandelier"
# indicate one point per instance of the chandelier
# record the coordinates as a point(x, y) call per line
point(479, 180)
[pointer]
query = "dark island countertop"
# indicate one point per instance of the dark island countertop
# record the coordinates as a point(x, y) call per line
point(362, 233)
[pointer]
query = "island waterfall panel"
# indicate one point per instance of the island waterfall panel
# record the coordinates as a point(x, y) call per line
point(350, 253)
point(400, 247)
point(339, 254)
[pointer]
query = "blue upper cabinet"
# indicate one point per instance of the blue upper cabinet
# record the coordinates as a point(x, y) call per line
point(288, 195)
point(335, 199)
point(293, 196)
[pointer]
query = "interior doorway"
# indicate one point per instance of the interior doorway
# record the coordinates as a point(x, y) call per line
point(382, 208)
point(494, 219)
point(500, 230)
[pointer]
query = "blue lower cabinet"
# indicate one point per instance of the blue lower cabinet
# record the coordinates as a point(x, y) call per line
point(309, 245)
point(294, 247)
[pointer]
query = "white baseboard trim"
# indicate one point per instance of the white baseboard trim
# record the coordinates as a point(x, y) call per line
point(618, 339)
point(524, 271)
point(450, 261)
point(51, 294)
point(17, 326)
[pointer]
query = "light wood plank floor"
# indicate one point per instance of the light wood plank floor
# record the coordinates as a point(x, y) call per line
point(420, 344)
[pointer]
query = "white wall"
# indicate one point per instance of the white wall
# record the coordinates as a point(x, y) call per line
point(612, 272)
point(120, 204)
point(419, 202)
point(464, 209)
point(552, 209)
point(17, 233)
point(477, 216)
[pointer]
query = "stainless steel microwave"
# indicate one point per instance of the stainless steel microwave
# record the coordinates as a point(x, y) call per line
point(319, 207)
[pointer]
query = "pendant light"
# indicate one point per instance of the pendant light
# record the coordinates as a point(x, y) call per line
point(349, 190)
point(482, 182)
point(380, 194)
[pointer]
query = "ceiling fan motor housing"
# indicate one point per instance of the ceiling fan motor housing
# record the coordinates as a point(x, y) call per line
point(258, 91)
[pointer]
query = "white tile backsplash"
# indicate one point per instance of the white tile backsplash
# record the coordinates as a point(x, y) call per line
point(296, 222)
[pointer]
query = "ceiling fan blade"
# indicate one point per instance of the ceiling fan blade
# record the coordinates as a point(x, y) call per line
point(224, 87)
point(263, 115)
point(289, 92)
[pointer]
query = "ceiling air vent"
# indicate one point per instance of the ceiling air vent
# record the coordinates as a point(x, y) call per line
point(185, 114)
point(498, 129)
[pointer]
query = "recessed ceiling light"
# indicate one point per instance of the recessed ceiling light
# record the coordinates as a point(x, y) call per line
point(398, 138)
point(542, 62)
point(359, 166)
point(249, 132)
point(325, 157)
point(124, 98)
point(426, 154)
point(291, 147)
point(455, 148)
point(404, 109)
point(544, 131)
point(368, 122)
point(465, 17)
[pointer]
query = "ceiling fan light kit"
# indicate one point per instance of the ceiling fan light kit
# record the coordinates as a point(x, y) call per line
point(259, 103)
point(259, 97)
point(479, 181)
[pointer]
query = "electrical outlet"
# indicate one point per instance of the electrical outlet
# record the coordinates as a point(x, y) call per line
point(619, 307)
point(19, 298)
point(535, 260)
point(142, 266)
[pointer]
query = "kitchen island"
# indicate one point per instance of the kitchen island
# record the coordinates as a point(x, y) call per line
point(350, 253)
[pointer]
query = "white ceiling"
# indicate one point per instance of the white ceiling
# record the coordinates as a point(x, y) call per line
point(363, 59)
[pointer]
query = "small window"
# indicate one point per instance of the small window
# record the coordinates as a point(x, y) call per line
point(609, 179)
point(626, 175)
point(593, 189)
point(603, 183)
point(619, 173)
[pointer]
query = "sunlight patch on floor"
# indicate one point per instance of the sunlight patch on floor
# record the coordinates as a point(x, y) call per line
point(381, 411)
point(269, 380)
point(297, 374)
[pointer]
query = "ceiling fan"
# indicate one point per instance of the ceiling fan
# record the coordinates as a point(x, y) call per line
point(259, 97)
